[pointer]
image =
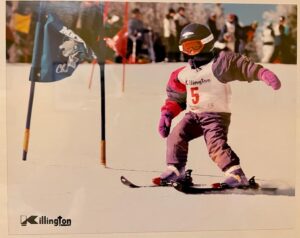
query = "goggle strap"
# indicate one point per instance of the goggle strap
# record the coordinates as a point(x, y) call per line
point(207, 39)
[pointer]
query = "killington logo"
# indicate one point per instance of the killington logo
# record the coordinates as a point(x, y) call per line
point(199, 82)
point(44, 220)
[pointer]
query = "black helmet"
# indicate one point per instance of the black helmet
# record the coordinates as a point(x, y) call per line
point(194, 32)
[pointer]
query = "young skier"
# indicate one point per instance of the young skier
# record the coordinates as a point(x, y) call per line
point(202, 88)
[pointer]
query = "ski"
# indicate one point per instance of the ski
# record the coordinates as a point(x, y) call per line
point(252, 189)
point(130, 184)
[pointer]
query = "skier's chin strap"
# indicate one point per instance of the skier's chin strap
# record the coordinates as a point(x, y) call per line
point(201, 59)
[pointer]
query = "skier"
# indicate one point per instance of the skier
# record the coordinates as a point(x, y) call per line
point(202, 87)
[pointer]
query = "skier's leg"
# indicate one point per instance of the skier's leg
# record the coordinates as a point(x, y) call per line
point(215, 128)
point(177, 149)
point(178, 140)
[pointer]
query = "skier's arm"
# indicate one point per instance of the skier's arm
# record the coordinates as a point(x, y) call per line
point(176, 95)
point(174, 104)
point(230, 66)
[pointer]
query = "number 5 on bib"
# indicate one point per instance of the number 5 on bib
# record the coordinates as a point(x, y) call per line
point(195, 95)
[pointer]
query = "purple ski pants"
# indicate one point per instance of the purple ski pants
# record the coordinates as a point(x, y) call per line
point(213, 126)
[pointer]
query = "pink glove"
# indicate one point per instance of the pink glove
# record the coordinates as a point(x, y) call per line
point(269, 78)
point(165, 123)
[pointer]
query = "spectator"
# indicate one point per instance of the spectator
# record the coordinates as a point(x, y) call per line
point(268, 38)
point(118, 44)
point(285, 42)
point(159, 47)
point(249, 31)
point(280, 31)
point(232, 34)
point(212, 24)
point(88, 16)
point(136, 32)
point(248, 38)
point(181, 21)
point(113, 24)
point(227, 34)
point(149, 45)
point(170, 36)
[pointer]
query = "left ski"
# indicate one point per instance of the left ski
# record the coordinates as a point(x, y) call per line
point(128, 183)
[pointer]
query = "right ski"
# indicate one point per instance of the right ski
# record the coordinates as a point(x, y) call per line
point(196, 190)
point(253, 188)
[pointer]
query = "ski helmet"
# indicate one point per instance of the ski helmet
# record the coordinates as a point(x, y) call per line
point(196, 38)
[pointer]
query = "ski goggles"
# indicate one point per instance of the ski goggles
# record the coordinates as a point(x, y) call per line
point(194, 47)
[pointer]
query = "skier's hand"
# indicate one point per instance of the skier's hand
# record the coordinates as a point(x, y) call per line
point(269, 78)
point(165, 123)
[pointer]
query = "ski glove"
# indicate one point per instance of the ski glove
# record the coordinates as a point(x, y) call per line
point(269, 78)
point(165, 123)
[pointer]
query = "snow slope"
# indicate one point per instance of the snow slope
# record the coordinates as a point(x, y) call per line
point(63, 175)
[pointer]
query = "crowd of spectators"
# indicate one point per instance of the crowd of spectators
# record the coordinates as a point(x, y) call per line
point(135, 42)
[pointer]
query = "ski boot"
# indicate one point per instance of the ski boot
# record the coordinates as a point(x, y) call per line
point(235, 179)
point(172, 174)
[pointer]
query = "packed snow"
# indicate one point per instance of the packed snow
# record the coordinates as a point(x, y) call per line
point(63, 175)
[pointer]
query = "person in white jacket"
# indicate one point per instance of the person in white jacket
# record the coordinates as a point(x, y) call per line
point(170, 36)
point(268, 38)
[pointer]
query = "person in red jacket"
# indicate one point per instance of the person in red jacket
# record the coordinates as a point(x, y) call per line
point(201, 88)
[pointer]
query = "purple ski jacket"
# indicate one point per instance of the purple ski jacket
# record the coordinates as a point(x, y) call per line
point(225, 67)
